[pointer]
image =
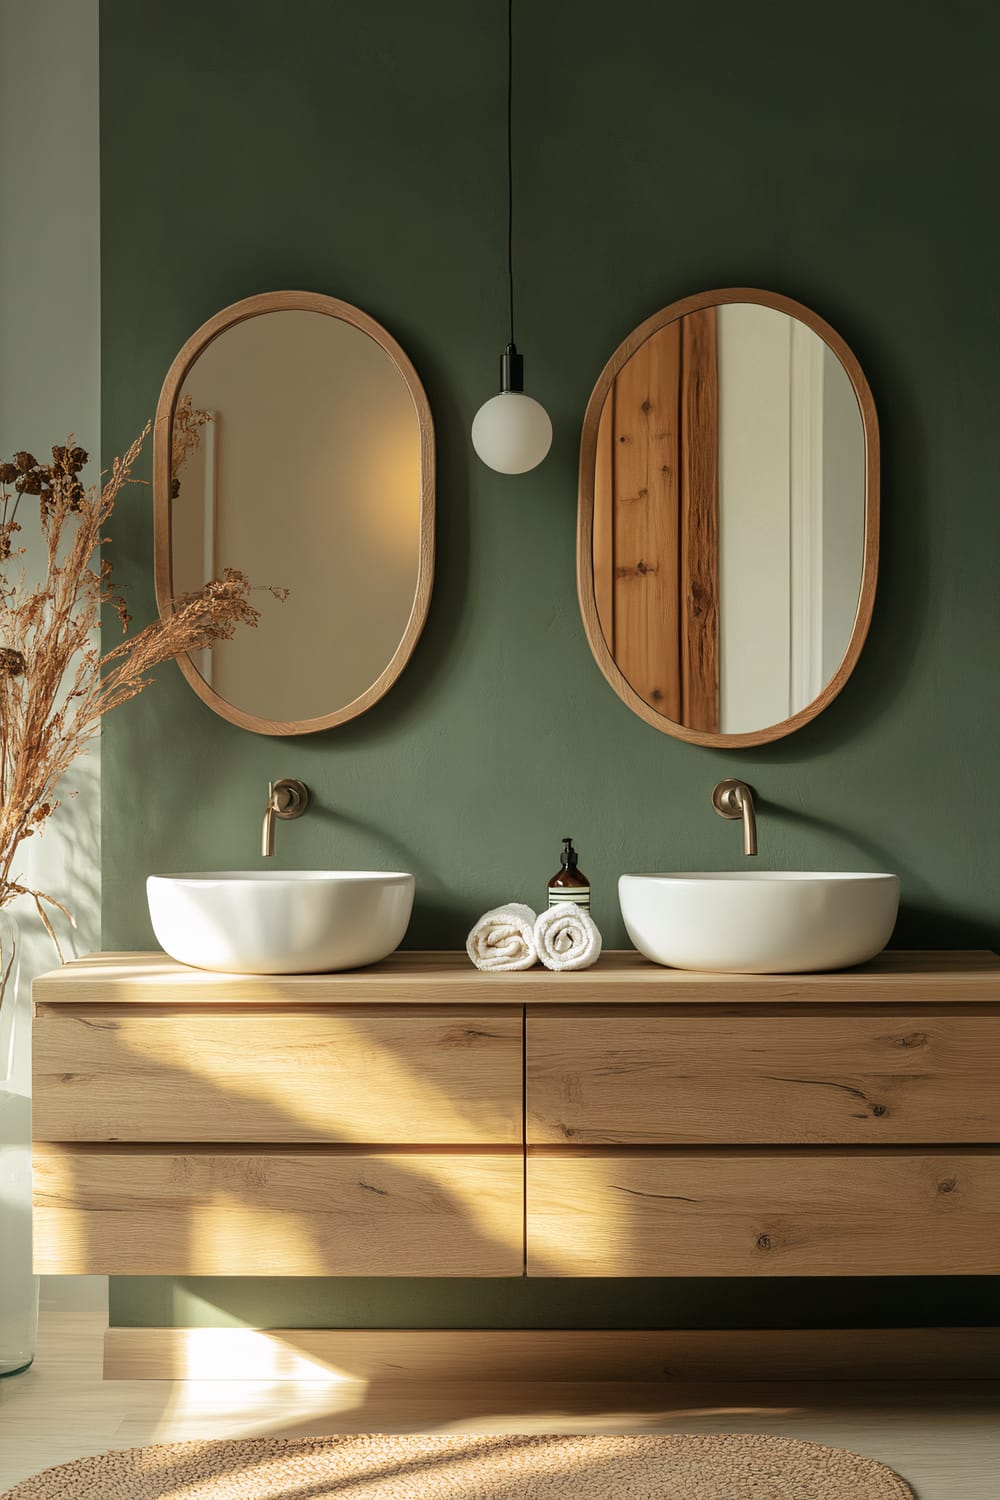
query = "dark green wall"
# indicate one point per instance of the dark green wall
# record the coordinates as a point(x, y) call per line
point(840, 155)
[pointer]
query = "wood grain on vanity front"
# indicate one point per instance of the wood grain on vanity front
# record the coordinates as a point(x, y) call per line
point(764, 1213)
point(391, 1074)
point(420, 1118)
point(659, 1076)
point(205, 1212)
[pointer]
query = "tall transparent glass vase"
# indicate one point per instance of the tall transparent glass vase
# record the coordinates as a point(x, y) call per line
point(18, 1287)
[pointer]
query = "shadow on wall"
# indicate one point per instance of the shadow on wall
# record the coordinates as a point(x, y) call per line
point(877, 857)
point(918, 925)
point(440, 916)
point(922, 926)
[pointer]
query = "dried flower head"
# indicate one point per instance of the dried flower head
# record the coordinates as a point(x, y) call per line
point(7, 530)
point(68, 460)
point(48, 714)
point(185, 437)
point(30, 482)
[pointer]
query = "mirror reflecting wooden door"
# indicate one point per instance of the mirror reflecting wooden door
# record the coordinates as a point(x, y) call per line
point(728, 522)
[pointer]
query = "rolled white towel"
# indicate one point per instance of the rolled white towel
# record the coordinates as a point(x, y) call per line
point(503, 939)
point(566, 937)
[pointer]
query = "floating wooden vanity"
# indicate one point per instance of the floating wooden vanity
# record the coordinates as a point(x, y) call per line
point(422, 1119)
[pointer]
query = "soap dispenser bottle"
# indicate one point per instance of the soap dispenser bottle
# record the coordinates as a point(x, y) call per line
point(569, 883)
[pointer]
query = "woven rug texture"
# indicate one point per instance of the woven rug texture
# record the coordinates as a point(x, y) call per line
point(668, 1467)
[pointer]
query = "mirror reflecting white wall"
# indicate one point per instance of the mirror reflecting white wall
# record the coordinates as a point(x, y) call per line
point(299, 456)
point(791, 497)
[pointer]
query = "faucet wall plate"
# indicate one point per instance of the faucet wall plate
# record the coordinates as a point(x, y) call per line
point(727, 798)
point(289, 798)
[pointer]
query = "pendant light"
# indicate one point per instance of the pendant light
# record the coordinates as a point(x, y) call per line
point(511, 432)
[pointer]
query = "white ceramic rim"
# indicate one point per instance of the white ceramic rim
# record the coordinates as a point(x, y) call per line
point(278, 877)
point(751, 877)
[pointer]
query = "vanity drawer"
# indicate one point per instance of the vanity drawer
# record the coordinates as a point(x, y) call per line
point(159, 1212)
point(770, 1213)
point(651, 1075)
point(367, 1074)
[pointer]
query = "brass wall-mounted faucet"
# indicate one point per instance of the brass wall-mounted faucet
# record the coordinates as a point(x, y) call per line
point(734, 799)
point(285, 799)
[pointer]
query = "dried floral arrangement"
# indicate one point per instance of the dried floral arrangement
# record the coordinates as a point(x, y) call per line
point(56, 682)
point(185, 437)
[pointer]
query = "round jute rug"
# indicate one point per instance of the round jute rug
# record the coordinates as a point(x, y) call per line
point(668, 1467)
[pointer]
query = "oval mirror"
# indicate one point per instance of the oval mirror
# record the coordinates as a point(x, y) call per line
point(727, 547)
point(293, 442)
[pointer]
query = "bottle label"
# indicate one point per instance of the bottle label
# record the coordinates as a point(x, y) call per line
point(579, 895)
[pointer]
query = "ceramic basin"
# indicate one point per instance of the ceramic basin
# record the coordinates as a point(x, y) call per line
point(759, 922)
point(280, 922)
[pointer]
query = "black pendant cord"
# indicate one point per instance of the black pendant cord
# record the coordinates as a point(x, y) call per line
point(511, 363)
point(510, 161)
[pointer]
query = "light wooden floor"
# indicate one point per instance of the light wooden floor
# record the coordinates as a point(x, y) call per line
point(943, 1438)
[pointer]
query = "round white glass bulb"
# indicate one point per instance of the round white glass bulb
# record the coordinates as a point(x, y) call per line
point(512, 433)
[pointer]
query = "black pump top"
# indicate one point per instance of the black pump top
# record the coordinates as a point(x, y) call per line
point(568, 857)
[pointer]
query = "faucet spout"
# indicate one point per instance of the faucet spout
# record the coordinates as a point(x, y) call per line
point(267, 832)
point(734, 799)
point(286, 798)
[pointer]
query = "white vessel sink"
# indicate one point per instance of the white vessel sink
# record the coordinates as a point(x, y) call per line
point(759, 922)
point(281, 922)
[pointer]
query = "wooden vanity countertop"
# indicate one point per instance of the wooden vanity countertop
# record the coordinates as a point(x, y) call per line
point(435, 978)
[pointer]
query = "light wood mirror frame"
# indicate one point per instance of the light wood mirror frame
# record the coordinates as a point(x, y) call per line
point(585, 516)
point(237, 312)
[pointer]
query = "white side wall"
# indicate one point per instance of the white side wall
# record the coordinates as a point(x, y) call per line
point(754, 542)
point(791, 515)
point(50, 377)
